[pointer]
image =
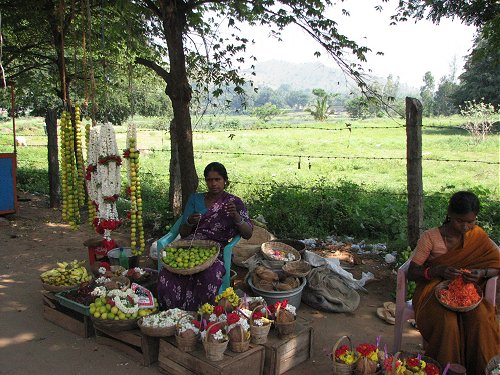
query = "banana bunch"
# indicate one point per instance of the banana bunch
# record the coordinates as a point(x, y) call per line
point(66, 274)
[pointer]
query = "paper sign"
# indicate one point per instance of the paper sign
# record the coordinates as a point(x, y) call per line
point(146, 299)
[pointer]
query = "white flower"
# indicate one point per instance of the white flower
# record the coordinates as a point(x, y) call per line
point(189, 326)
point(291, 308)
point(102, 280)
point(258, 322)
point(99, 291)
point(102, 270)
point(219, 335)
point(242, 322)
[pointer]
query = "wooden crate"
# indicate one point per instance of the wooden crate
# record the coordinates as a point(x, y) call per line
point(141, 348)
point(66, 318)
point(172, 361)
point(282, 354)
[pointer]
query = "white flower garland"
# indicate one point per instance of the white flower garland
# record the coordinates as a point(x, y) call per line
point(92, 159)
point(117, 296)
point(163, 319)
point(242, 322)
point(99, 291)
point(189, 326)
point(102, 280)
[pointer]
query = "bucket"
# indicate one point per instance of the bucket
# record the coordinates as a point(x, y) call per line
point(293, 295)
point(114, 257)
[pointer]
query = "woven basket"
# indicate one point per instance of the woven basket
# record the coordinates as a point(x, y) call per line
point(443, 285)
point(58, 288)
point(492, 364)
point(214, 350)
point(185, 344)
point(124, 281)
point(239, 346)
point(403, 355)
point(358, 371)
point(299, 268)
point(258, 334)
point(268, 247)
point(342, 368)
point(114, 325)
point(156, 332)
point(193, 243)
point(284, 329)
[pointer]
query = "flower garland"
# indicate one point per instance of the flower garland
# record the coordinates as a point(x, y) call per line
point(131, 155)
point(79, 158)
point(164, 319)
point(126, 301)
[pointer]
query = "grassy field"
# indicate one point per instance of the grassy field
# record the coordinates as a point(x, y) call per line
point(343, 185)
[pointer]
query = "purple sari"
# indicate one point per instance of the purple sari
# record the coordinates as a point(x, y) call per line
point(189, 292)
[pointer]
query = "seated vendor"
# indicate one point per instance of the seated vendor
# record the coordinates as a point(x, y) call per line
point(457, 248)
point(217, 216)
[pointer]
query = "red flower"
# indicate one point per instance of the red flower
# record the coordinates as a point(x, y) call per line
point(257, 315)
point(431, 369)
point(108, 244)
point(342, 350)
point(196, 323)
point(126, 153)
point(105, 265)
point(213, 329)
point(413, 362)
point(130, 272)
point(366, 349)
point(271, 308)
point(232, 318)
point(218, 310)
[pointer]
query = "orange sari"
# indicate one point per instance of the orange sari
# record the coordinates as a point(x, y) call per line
point(471, 338)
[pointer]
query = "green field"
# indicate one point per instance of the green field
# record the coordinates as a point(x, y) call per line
point(344, 186)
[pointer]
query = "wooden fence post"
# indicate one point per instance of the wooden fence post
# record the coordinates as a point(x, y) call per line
point(54, 186)
point(414, 169)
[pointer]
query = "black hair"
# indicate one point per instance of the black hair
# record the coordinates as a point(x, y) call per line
point(216, 167)
point(464, 202)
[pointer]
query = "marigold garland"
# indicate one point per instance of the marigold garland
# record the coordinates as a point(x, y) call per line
point(459, 293)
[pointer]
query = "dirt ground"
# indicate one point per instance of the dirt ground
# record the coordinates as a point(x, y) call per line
point(32, 240)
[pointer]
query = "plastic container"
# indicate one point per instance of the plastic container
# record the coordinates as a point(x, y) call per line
point(293, 296)
point(73, 305)
point(114, 257)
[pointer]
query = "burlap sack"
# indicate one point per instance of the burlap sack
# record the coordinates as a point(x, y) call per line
point(325, 290)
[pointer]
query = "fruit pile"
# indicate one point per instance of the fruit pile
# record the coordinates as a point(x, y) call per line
point(82, 295)
point(66, 274)
point(187, 258)
point(459, 294)
point(119, 305)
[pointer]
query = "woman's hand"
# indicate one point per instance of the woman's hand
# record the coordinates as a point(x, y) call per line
point(445, 272)
point(474, 275)
point(233, 212)
point(194, 219)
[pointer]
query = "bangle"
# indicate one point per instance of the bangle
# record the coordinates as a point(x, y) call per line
point(189, 224)
point(427, 274)
point(240, 222)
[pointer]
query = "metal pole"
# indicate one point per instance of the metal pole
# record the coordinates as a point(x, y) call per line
point(13, 112)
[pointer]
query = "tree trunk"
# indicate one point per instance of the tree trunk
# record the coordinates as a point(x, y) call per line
point(175, 188)
point(54, 186)
point(179, 91)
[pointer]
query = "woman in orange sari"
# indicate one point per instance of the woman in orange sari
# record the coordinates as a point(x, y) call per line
point(470, 338)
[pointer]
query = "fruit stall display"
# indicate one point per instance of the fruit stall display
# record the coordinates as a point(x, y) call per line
point(66, 274)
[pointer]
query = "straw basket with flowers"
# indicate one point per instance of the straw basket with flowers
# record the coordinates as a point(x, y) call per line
point(285, 318)
point(344, 357)
point(228, 299)
point(238, 331)
point(259, 325)
point(410, 364)
point(215, 341)
point(368, 362)
point(161, 324)
point(186, 333)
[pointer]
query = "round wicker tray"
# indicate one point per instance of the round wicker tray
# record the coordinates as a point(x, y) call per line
point(114, 325)
point(195, 243)
point(58, 288)
point(298, 268)
point(492, 364)
point(156, 332)
point(444, 285)
point(268, 247)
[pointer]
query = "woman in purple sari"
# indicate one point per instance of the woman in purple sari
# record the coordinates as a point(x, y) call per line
point(217, 216)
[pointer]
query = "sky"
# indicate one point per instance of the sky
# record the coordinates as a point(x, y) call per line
point(410, 49)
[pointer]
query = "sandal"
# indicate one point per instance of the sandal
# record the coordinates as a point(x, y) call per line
point(385, 315)
point(391, 308)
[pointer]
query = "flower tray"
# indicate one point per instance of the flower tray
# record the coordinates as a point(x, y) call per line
point(70, 304)
point(444, 285)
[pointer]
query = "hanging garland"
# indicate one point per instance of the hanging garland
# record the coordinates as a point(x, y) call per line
point(91, 195)
point(131, 154)
point(79, 159)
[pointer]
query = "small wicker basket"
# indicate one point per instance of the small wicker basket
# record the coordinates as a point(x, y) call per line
point(284, 329)
point(258, 334)
point(298, 268)
point(443, 285)
point(185, 344)
point(240, 346)
point(156, 332)
point(214, 350)
point(268, 248)
point(189, 244)
point(339, 368)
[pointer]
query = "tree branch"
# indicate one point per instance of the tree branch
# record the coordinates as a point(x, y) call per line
point(152, 6)
point(157, 68)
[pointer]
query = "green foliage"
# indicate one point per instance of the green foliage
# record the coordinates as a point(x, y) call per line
point(479, 117)
point(266, 112)
point(427, 94)
point(443, 98)
point(321, 109)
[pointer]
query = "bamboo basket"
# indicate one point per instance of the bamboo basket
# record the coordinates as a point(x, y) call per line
point(403, 355)
point(342, 368)
point(214, 350)
point(240, 346)
point(284, 329)
point(298, 268)
point(193, 243)
point(258, 334)
point(114, 325)
point(358, 371)
point(185, 344)
point(268, 247)
point(443, 285)
point(156, 332)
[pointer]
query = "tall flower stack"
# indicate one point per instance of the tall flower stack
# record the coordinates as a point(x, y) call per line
point(103, 181)
point(131, 155)
point(71, 188)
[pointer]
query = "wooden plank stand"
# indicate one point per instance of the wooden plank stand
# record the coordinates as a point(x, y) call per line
point(66, 318)
point(141, 348)
point(173, 361)
point(282, 354)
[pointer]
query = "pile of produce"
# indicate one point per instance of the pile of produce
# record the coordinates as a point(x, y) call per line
point(187, 258)
point(264, 278)
point(459, 293)
point(66, 274)
point(118, 305)
point(82, 295)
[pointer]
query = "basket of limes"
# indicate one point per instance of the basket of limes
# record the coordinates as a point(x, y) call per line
point(187, 257)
